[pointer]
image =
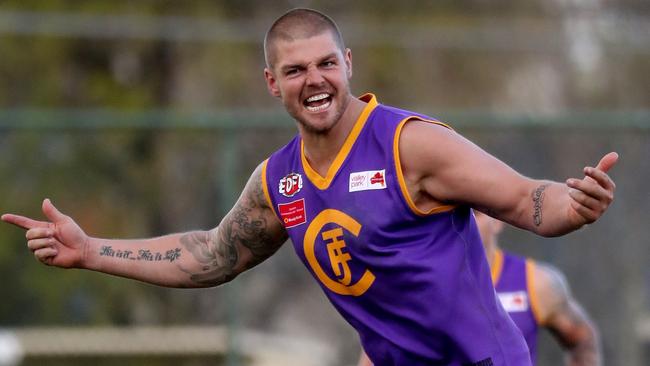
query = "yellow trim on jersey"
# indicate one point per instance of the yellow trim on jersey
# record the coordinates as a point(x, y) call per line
point(497, 266)
point(266, 189)
point(400, 175)
point(532, 294)
point(321, 182)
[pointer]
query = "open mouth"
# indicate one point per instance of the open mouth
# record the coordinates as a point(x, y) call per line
point(318, 102)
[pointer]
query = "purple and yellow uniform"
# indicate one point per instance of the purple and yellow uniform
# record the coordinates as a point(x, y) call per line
point(415, 285)
point(513, 280)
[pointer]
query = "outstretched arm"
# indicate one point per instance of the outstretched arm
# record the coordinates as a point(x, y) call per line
point(246, 236)
point(561, 314)
point(441, 167)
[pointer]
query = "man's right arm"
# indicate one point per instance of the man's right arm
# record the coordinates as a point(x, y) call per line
point(246, 236)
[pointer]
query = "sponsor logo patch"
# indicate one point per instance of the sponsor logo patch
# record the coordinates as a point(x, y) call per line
point(290, 184)
point(368, 180)
point(293, 213)
point(514, 302)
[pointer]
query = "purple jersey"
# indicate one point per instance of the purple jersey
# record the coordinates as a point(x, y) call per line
point(513, 276)
point(415, 285)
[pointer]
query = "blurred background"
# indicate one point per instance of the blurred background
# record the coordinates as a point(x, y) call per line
point(140, 118)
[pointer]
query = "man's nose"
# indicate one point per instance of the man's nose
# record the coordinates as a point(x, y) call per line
point(314, 76)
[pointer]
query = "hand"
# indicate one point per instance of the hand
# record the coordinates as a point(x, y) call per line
point(592, 195)
point(59, 242)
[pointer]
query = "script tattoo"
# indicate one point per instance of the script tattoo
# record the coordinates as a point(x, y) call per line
point(244, 226)
point(140, 254)
point(538, 199)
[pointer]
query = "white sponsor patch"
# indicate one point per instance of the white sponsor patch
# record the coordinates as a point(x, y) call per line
point(514, 301)
point(290, 185)
point(364, 181)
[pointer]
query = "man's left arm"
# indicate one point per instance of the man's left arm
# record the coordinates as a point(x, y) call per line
point(563, 316)
point(441, 167)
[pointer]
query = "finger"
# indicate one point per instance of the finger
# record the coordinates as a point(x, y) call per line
point(589, 215)
point(587, 201)
point(23, 222)
point(591, 188)
point(36, 244)
point(52, 212)
point(39, 232)
point(607, 162)
point(45, 255)
point(601, 178)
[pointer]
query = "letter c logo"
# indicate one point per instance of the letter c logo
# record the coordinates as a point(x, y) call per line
point(351, 225)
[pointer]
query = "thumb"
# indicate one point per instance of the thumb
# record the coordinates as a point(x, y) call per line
point(51, 212)
point(607, 162)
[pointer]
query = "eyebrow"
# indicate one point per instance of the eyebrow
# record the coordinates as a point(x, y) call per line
point(324, 58)
point(331, 55)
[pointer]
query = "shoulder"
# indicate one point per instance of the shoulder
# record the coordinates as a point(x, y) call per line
point(256, 190)
point(422, 142)
point(442, 162)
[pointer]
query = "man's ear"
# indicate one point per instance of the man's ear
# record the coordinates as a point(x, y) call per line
point(271, 83)
point(348, 62)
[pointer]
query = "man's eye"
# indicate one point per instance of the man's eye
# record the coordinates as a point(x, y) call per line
point(293, 72)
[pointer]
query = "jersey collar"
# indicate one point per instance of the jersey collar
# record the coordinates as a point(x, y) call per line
point(321, 182)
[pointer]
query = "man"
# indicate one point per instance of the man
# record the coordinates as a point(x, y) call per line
point(536, 295)
point(377, 202)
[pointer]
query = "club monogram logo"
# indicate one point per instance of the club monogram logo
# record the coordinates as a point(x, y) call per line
point(336, 250)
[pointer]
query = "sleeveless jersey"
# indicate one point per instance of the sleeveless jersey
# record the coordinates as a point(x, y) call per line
point(513, 276)
point(415, 285)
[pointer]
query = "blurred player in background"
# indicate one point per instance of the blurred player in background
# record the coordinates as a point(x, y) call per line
point(378, 204)
point(536, 295)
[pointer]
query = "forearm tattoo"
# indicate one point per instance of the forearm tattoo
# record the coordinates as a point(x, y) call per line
point(140, 254)
point(244, 226)
point(538, 199)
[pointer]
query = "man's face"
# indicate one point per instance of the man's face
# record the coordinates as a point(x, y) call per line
point(311, 77)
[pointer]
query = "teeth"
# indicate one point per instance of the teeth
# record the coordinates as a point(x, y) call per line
point(319, 108)
point(317, 97)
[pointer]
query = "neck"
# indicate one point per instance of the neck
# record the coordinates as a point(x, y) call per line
point(321, 148)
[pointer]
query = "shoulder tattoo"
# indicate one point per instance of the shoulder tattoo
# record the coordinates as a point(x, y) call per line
point(246, 225)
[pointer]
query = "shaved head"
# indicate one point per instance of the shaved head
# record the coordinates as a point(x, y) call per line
point(299, 24)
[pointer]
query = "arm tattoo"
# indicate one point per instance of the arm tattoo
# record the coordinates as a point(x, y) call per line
point(140, 254)
point(244, 226)
point(217, 261)
point(538, 199)
point(247, 226)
